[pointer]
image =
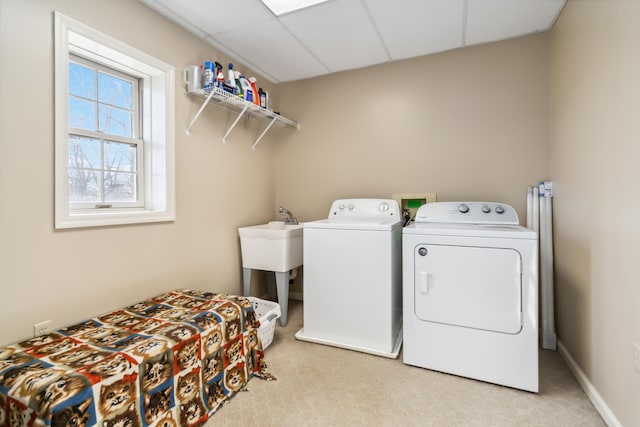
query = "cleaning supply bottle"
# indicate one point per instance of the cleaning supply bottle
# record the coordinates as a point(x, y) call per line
point(263, 98)
point(207, 76)
point(239, 90)
point(256, 97)
point(219, 83)
point(246, 89)
point(218, 77)
point(231, 77)
point(267, 101)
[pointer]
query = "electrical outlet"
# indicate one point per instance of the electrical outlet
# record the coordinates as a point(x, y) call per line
point(636, 356)
point(41, 328)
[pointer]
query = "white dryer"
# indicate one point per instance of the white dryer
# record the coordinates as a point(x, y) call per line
point(353, 278)
point(470, 293)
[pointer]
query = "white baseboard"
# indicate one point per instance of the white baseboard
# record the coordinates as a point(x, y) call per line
point(593, 395)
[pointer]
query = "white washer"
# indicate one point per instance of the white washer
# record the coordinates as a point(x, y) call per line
point(470, 293)
point(353, 278)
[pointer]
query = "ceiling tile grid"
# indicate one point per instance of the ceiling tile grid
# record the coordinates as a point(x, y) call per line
point(341, 35)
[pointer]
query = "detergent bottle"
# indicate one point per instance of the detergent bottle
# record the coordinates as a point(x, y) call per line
point(239, 90)
point(192, 76)
point(247, 89)
point(263, 98)
point(256, 96)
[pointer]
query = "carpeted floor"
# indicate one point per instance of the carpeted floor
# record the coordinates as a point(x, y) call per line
point(319, 385)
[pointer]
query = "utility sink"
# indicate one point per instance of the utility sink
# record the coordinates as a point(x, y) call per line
point(274, 246)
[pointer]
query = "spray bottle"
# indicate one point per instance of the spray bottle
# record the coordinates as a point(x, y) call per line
point(256, 96)
point(218, 77)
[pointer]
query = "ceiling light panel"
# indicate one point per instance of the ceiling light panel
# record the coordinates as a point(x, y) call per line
point(419, 27)
point(339, 33)
point(491, 20)
point(280, 7)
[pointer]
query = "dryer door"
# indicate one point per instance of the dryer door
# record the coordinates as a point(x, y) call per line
point(472, 287)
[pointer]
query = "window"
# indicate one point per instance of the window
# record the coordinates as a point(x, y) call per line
point(114, 159)
point(104, 147)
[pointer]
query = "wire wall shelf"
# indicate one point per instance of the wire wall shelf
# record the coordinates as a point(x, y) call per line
point(219, 97)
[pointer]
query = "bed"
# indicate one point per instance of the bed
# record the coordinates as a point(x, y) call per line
point(166, 361)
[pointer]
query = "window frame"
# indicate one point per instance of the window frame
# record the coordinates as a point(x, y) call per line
point(156, 128)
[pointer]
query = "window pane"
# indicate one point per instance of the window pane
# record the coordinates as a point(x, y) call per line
point(83, 185)
point(82, 113)
point(119, 156)
point(82, 81)
point(119, 187)
point(114, 91)
point(84, 152)
point(115, 121)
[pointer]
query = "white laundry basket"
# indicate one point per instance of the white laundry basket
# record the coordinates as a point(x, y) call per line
point(267, 312)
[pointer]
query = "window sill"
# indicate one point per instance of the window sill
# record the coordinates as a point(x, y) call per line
point(100, 219)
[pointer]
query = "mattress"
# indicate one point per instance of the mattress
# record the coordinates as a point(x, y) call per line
point(170, 360)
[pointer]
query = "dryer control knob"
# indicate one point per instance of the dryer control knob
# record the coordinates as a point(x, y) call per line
point(499, 209)
point(486, 209)
point(351, 206)
point(384, 207)
point(463, 208)
point(341, 207)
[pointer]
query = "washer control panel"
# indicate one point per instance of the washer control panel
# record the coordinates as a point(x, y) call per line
point(365, 208)
point(468, 212)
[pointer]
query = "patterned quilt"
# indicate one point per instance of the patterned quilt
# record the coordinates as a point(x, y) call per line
point(167, 361)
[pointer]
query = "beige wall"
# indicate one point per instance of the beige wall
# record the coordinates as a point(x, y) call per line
point(595, 147)
point(68, 276)
point(469, 124)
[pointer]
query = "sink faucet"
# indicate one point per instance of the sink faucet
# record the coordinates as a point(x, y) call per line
point(290, 219)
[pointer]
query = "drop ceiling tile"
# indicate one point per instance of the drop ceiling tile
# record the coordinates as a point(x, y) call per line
point(213, 17)
point(270, 49)
point(347, 34)
point(419, 27)
point(339, 33)
point(491, 20)
point(183, 21)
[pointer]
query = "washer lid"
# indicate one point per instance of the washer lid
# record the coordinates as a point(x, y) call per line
point(471, 230)
point(377, 224)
